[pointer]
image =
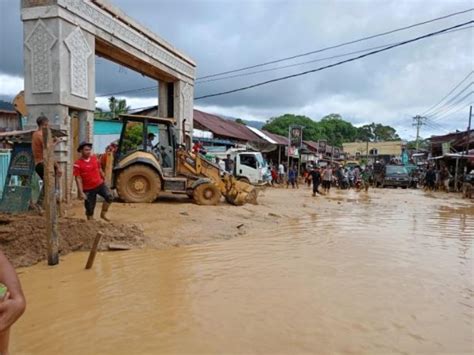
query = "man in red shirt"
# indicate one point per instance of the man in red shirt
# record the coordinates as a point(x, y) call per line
point(90, 181)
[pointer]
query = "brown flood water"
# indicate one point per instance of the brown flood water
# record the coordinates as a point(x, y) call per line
point(369, 275)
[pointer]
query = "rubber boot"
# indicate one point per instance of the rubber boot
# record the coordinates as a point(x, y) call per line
point(103, 213)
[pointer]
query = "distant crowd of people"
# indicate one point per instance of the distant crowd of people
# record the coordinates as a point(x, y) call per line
point(359, 177)
point(325, 177)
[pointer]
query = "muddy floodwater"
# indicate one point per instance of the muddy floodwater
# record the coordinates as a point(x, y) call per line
point(390, 271)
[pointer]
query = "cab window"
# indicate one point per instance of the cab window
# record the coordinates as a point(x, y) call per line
point(132, 139)
point(248, 160)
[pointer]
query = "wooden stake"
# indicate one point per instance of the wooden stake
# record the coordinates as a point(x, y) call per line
point(50, 198)
point(108, 168)
point(92, 254)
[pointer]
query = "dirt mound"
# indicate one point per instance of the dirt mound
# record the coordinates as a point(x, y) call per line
point(22, 237)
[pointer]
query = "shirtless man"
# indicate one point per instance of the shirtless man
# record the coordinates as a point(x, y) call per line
point(13, 303)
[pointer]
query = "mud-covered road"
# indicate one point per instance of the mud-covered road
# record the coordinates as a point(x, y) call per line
point(390, 271)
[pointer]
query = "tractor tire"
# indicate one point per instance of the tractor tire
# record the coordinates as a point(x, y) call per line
point(138, 184)
point(207, 194)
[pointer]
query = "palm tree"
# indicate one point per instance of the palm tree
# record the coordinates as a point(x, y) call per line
point(117, 107)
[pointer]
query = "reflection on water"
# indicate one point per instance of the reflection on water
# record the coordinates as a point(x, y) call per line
point(372, 278)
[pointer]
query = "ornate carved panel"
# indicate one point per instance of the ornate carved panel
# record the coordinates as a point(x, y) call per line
point(186, 103)
point(80, 53)
point(103, 20)
point(40, 42)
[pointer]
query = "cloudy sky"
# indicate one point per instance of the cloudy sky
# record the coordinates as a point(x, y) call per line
point(390, 87)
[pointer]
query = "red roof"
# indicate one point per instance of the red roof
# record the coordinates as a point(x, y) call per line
point(223, 127)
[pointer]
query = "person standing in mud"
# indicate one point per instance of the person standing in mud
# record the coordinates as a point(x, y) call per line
point(281, 173)
point(90, 180)
point(365, 176)
point(316, 179)
point(444, 178)
point(430, 179)
point(327, 178)
point(37, 149)
point(291, 178)
point(229, 164)
point(12, 303)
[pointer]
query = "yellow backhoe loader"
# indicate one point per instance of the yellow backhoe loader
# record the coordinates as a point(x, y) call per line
point(148, 161)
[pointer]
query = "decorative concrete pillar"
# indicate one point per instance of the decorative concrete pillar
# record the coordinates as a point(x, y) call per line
point(164, 103)
point(183, 110)
point(59, 71)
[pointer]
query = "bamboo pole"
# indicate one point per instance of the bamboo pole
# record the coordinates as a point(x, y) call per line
point(50, 199)
point(92, 254)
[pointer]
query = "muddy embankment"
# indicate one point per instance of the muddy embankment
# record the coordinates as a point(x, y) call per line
point(22, 236)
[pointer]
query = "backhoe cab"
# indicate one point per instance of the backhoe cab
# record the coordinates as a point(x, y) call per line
point(148, 161)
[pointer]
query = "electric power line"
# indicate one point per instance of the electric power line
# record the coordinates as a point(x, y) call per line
point(435, 125)
point(314, 60)
point(453, 105)
point(155, 87)
point(449, 93)
point(448, 103)
point(304, 54)
point(335, 64)
point(447, 114)
point(339, 45)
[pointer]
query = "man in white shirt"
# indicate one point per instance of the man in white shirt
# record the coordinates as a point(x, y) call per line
point(281, 173)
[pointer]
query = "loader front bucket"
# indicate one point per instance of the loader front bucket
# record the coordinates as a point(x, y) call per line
point(241, 193)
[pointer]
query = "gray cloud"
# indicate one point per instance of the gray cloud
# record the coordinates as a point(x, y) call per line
point(223, 35)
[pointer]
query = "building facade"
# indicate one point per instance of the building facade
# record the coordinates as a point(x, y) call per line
point(356, 150)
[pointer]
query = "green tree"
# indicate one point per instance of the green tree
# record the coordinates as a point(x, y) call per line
point(240, 121)
point(336, 130)
point(377, 132)
point(423, 144)
point(280, 125)
point(116, 108)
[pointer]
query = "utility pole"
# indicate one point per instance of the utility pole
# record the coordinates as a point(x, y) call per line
point(418, 121)
point(468, 133)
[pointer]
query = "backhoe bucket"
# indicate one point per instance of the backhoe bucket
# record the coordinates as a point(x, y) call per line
point(241, 193)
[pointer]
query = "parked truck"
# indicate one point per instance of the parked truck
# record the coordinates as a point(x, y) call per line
point(249, 166)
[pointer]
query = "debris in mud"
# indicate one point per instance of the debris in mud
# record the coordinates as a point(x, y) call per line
point(116, 246)
point(184, 213)
point(240, 226)
point(23, 240)
point(271, 214)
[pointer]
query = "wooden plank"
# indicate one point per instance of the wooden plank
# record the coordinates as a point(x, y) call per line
point(93, 253)
point(117, 246)
point(50, 199)
point(109, 164)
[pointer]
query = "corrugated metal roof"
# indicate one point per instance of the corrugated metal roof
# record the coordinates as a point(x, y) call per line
point(225, 128)
point(276, 137)
point(455, 138)
point(217, 125)
point(312, 145)
point(262, 135)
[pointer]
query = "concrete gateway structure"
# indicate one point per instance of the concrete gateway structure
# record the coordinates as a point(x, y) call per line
point(60, 40)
